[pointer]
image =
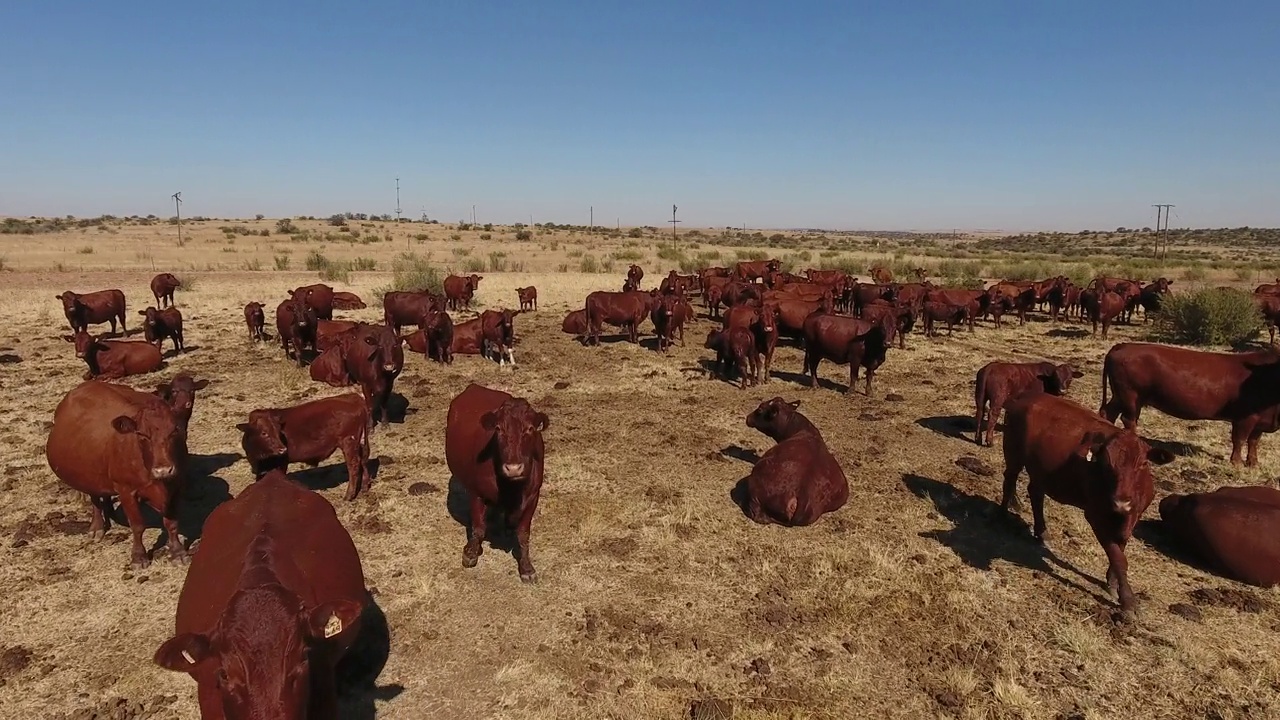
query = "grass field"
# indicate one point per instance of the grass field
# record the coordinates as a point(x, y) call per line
point(655, 595)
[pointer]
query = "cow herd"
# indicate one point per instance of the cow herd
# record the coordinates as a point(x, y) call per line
point(275, 594)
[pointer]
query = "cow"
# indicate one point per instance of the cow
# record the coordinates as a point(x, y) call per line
point(528, 297)
point(162, 287)
point(681, 314)
point(180, 395)
point(763, 323)
point(796, 481)
point(738, 292)
point(271, 603)
point(1102, 307)
point(347, 301)
point(1241, 388)
point(635, 274)
point(400, 308)
point(318, 297)
point(438, 328)
point(1269, 306)
point(999, 382)
point(881, 275)
point(93, 309)
point(459, 290)
point(493, 446)
point(110, 441)
point(735, 348)
point(498, 331)
point(114, 359)
point(1079, 459)
point(330, 366)
point(837, 280)
point(468, 338)
point(296, 328)
point(161, 324)
point(309, 433)
point(1128, 290)
point(845, 340)
point(255, 319)
point(1268, 289)
point(626, 310)
point(752, 270)
point(863, 294)
point(575, 323)
point(1231, 529)
point(793, 313)
point(374, 359)
point(903, 317)
point(673, 284)
point(934, 312)
point(713, 295)
point(330, 332)
point(661, 315)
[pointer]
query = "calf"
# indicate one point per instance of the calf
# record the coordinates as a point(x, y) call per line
point(1078, 459)
point(493, 446)
point(347, 301)
point(1102, 307)
point(309, 433)
point(296, 327)
point(952, 315)
point(1241, 388)
point(999, 382)
point(575, 323)
point(94, 308)
point(114, 359)
point(635, 274)
point(255, 319)
point(161, 324)
point(162, 287)
point(270, 605)
point(528, 298)
point(663, 308)
point(735, 347)
point(763, 324)
point(796, 481)
point(1231, 529)
point(438, 328)
point(498, 332)
point(180, 395)
point(845, 340)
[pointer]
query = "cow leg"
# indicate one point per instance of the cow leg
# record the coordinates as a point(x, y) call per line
point(811, 360)
point(356, 467)
point(743, 372)
point(138, 554)
point(524, 520)
point(1254, 438)
point(997, 405)
point(1035, 491)
point(181, 344)
point(471, 552)
point(1013, 463)
point(1117, 571)
point(165, 502)
point(1241, 430)
point(101, 521)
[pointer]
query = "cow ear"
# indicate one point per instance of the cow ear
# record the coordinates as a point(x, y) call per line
point(181, 653)
point(1077, 374)
point(142, 312)
point(489, 420)
point(69, 338)
point(124, 424)
point(1159, 456)
point(163, 390)
point(1090, 446)
point(200, 384)
point(243, 427)
point(328, 619)
point(542, 421)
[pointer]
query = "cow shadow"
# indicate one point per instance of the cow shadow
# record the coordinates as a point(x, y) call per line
point(397, 408)
point(1155, 534)
point(1178, 449)
point(1067, 332)
point(708, 368)
point(737, 452)
point(952, 426)
point(202, 491)
point(802, 379)
point(498, 532)
point(325, 477)
point(983, 532)
point(356, 675)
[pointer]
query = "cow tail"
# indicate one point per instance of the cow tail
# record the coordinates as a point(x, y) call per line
point(1106, 370)
point(980, 401)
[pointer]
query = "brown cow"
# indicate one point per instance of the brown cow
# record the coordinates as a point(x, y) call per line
point(493, 446)
point(1232, 529)
point(796, 481)
point(468, 338)
point(528, 298)
point(296, 327)
point(255, 319)
point(902, 317)
point(180, 395)
point(672, 284)
point(626, 310)
point(330, 366)
point(330, 332)
point(498, 331)
point(1102, 307)
point(681, 314)
point(347, 301)
point(1270, 289)
point(999, 382)
point(114, 359)
point(407, 308)
point(161, 324)
point(438, 328)
point(845, 340)
point(752, 270)
point(162, 287)
point(881, 274)
point(1242, 388)
point(635, 274)
point(661, 315)
point(713, 295)
point(94, 308)
point(933, 312)
point(1269, 306)
point(309, 433)
point(863, 294)
point(575, 323)
point(374, 359)
point(735, 348)
point(793, 313)
point(111, 441)
point(1078, 459)
point(738, 292)
point(763, 323)
point(271, 603)
point(318, 297)
point(459, 290)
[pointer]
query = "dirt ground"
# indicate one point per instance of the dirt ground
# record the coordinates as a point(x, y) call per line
point(656, 598)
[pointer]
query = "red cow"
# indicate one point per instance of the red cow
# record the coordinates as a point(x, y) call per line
point(845, 340)
point(296, 327)
point(763, 323)
point(438, 328)
point(793, 313)
point(374, 359)
point(459, 290)
point(109, 441)
point(493, 446)
point(162, 287)
point(1269, 306)
point(318, 297)
point(180, 395)
point(934, 312)
point(1232, 529)
point(739, 293)
point(407, 308)
point(1242, 388)
point(713, 296)
point(661, 315)
point(161, 324)
point(881, 274)
point(270, 605)
point(735, 348)
point(498, 332)
point(114, 359)
point(796, 481)
point(863, 294)
point(347, 301)
point(625, 309)
point(999, 382)
point(750, 271)
point(309, 433)
point(468, 338)
point(635, 274)
point(255, 319)
point(1078, 459)
point(1102, 307)
point(902, 317)
point(94, 308)
point(1270, 289)
point(330, 332)
point(528, 298)
point(575, 323)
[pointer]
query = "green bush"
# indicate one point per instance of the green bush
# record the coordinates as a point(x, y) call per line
point(669, 253)
point(635, 232)
point(410, 271)
point(751, 255)
point(1212, 316)
point(524, 235)
point(1195, 273)
point(628, 255)
point(475, 265)
point(338, 271)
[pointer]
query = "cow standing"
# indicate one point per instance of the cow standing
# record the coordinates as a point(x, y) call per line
point(309, 433)
point(162, 287)
point(94, 308)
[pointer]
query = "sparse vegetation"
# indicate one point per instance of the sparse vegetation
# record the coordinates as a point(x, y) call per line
point(1210, 316)
point(282, 262)
point(589, 264)
point(85, 250)
point(410, 271)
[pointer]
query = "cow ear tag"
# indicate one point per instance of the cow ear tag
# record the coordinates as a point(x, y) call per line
point(1088, 456)
point(333, 627)
point(187, 656)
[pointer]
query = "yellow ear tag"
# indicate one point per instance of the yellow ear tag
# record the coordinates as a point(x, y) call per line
point(1088, 456)
point(333, 627)
point(187, 656)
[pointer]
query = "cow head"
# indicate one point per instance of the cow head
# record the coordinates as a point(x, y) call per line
point(630, 285)
point(777, 418)
point(517, 431)
point(256, 660)
point(152, 316)
point(769, 317)
point(70, 303)
point(713, 339)
point(303, 315)
point(1057, 378)
point(1161, 285)
point(263, 436)
point(635, 273)
point(85, 343)
point(1121, 464)
point(160, 440)
point(382, 345)
point(180, 395)
point(473, 282)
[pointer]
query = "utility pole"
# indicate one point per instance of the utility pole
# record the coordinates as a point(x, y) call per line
point(473, 214)
point(397, 201)
point(1162, 235)
point(592, 224)
point(673, 226)
point(177, 210)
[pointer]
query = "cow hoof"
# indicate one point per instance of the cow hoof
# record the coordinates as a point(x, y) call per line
point(529, 578)
point(179, 556)
point(98, 535)
point(140, 563)
point(469, 561)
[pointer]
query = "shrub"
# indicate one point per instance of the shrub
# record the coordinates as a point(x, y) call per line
point(524, 235)
point(628, 255)
point(497, 262)
point(669, 253)
point(259, 216)
point(410, 271)
point(589, 264)
point(1195, 273)
point(1211, 316)
point(364, 263)
point(486, 236)
point(474, 265)
point(455, 236)
point(1244, 273)
point(253, 265)
point(316, 260)
point(751, 255)
point(606, 264)
point(86, 250)
point(338, 220)
point(285, 225)
point(635, 232)
point(282, 262)
point(339, 271)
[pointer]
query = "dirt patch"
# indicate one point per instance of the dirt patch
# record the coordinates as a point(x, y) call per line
point(1190, 612)
point(1232, 598)
point(975, 466)
point(423, 488)
point(14, 660)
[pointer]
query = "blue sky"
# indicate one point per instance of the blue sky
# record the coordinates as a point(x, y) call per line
point(895, 115)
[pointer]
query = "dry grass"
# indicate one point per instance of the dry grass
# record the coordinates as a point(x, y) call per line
point(916, 600)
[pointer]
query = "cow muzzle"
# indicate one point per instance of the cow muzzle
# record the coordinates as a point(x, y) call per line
point(389, 367)
point(1121, 506)
point(513, 471)
point(162, 472)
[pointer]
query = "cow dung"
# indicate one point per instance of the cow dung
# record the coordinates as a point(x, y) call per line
point(423, 488)
point(1190, 612)
point(975, 466)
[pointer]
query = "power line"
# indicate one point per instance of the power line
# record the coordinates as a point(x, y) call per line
point(1162, 235)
